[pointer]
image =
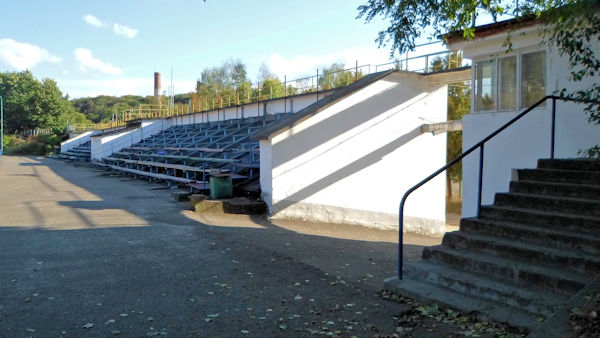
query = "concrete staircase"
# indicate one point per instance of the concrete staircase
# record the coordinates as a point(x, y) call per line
point(527, 254)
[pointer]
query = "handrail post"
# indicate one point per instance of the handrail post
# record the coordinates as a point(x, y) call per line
point(400, 237)
point(552, 136)
point(480, 180)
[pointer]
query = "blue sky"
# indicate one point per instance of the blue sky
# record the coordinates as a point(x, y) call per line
point(113, 47)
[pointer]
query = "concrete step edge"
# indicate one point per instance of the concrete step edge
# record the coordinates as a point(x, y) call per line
point(538, 212)
point(533, 232)
point(540, 301)
point(572, 277)
point(429, 294)
point(540, 251)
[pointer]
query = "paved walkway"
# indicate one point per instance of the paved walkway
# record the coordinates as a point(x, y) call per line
point(83, 254)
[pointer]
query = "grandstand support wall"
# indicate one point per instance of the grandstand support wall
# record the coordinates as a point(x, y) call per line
point(350, 160)
point(270, 107)
point(77, 141)
point(105, 144)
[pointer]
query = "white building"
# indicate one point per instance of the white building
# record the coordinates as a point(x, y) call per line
point(350, 157)
point(506, 83)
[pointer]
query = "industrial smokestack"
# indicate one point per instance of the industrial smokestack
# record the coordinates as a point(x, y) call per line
point(156, 84)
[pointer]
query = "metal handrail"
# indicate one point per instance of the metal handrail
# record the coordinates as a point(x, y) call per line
point(480, 145)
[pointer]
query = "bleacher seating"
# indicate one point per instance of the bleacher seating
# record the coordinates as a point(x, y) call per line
point(189, 154)
point(81, 153)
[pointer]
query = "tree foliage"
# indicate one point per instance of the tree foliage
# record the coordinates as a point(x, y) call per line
point(103, 107)
point(459, 105)
point(335, 76)
point(30, 103)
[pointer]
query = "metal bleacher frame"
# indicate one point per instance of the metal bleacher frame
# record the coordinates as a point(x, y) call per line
point(189, 154)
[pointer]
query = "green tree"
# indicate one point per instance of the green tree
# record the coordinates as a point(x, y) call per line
point(223, 83)
point(31, 104)
point(335, 76)
point(271, 88)
point(572, 26)
point(459, 105)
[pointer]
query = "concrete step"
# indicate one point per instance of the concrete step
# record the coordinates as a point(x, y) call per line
point(541, 202)
point(430, 293)
point(541, 302)
point(584, 164)
point(537, 234)
point(557, 189)
point(542, 255)
point(559, 175)
point(237, 205)
point(548, 219)
point(517, 272)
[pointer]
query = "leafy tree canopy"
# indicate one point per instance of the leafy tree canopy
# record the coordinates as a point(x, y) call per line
point(30, 103)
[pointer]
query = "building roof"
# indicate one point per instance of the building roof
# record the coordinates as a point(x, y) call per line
point(339, 94)
point(493, 28)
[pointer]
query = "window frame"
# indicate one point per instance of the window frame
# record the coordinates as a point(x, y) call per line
point(497, 57)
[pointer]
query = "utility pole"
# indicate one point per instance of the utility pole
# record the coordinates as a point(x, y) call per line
point(1, 126)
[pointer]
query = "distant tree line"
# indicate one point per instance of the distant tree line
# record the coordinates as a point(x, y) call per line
point(103, 108)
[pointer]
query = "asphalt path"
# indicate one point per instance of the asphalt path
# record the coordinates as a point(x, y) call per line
point(84, 254)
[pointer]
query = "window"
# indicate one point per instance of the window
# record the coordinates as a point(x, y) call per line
point(533, 78)
point(507, 86)
point(485, 85)
point(497, 82)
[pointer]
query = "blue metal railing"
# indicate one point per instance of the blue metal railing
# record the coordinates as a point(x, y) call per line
point(481, 146)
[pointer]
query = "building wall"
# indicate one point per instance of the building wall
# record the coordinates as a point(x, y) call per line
point(104, 145)
point(522, 144)
point(353, 161)
point(271, 107)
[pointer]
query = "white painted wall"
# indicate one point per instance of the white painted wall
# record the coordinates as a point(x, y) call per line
point(528, 140)
point(104, 145)
point(353, 161)
point(76, 141)
point(275, 106)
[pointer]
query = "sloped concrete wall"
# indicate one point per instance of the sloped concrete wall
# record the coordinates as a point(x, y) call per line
point(353, 161)
point(76, 141)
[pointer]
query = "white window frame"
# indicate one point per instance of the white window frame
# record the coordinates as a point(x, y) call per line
point(497, 57)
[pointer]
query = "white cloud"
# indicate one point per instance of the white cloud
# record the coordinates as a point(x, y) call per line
point(22, 55)
point(87, 62)
point(118, 86)
point(92, 20)
point(117, 28)
point(125, 31)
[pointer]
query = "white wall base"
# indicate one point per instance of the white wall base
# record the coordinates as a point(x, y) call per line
point(378, 220)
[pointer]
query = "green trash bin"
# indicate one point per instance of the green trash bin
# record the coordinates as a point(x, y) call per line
point(221, 186)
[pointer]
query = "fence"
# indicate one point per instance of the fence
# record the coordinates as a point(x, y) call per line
point(274, 88)
point(36, 132)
